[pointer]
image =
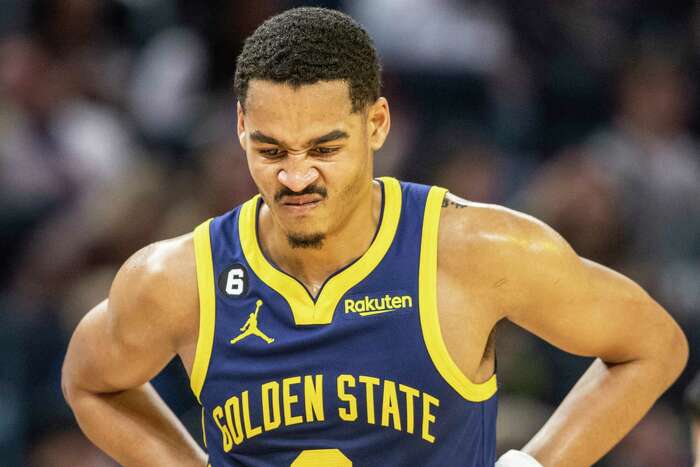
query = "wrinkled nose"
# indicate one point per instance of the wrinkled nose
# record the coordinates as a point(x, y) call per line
point(297, 173)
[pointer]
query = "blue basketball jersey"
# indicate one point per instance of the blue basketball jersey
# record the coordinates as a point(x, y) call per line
point(357, 376)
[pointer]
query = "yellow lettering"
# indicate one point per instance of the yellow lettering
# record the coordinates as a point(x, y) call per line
point(232, 409)
point(349, 306)
point(226, 441)
point(390, 405)
point(349, 414)
point(386, 302)
point(250, 432)
point(289, 399)
point(321, 457)
point(313, 397)
point(271, 393)
point(411, 393)
point(396, 302)
point(406, 301)
point(427, 416)
point(370, 382)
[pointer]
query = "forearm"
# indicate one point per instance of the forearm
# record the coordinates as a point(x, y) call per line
point(602, 407)
point(135, 427)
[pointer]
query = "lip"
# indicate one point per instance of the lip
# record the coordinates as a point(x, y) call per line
point(301, 204)
point(300, 199)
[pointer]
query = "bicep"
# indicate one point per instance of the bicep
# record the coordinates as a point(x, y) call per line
point(126, 340)
point(101, 359)
point(585, 308)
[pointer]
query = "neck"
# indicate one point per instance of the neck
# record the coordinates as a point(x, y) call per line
point(312, 266)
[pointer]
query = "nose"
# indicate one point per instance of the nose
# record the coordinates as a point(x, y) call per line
point(297, 173)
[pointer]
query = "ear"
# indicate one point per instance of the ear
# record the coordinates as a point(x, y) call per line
point(378, 123)
point(240, 125)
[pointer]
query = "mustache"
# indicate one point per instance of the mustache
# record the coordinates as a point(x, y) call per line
point(309, 190)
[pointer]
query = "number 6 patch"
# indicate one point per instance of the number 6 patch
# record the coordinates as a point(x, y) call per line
point(233, 281)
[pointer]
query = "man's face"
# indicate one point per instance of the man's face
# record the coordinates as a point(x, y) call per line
point(309, 154)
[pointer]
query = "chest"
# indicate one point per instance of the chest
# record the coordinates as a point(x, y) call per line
point(462, 316)
point(361, 367)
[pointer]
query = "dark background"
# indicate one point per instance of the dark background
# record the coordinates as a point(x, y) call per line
point(117, 129)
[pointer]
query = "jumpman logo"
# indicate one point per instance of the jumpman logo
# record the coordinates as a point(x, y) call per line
point(251, 327)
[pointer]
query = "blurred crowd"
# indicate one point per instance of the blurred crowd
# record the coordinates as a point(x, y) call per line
point(117, 129)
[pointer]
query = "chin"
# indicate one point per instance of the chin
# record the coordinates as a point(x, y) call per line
point(312, 240)
point(303, 224)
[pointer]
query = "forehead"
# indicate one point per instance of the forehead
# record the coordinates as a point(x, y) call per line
point(295, 113)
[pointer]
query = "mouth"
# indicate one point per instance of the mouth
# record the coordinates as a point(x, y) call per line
point(302, 203)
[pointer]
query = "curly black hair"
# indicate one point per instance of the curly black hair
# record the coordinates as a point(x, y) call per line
point(306, 45)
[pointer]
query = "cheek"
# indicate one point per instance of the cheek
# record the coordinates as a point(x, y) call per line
point(348, 180)
point(354, 159)
point(340, 177)
point(264, 176)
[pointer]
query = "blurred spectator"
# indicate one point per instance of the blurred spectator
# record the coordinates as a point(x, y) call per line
point(469, 164)
point(89, 36)
point(576, 197)
point(445, 35)
point(652, 159)
point(628, 195)
point(692, 400)
point(519, 419)
point(165, 93)
point(656, 441)
point(57, 150)
point(67, 449)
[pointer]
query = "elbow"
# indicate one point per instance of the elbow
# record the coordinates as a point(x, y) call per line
point(680, 343)
point(674, 360)
point(69, 384)
point(66, 385)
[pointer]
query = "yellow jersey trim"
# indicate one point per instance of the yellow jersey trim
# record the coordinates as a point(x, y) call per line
point(207, 307)
point(304, 309)
point(427, 295)
point(204, 431)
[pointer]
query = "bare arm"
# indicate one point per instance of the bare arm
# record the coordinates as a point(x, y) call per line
point(641, 352)
point(586, 309)
point(120, 345)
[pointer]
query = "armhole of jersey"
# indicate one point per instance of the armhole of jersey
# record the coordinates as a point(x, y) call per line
point(207, 307)
point(430, 325)
point(204, 431)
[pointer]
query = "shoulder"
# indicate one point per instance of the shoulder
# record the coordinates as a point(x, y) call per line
point(156, 291)
point(161, 262)
point(497, 249)
point(468, 224)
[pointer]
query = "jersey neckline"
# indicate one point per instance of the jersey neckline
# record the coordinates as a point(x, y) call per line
point(305, 309)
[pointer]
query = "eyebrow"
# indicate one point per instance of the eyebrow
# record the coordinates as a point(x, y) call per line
point(332, 136)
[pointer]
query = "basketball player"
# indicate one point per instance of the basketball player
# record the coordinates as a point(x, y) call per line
point(337, 319)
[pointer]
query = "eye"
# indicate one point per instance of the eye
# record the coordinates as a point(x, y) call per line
point(325, 150)
point(271, 153)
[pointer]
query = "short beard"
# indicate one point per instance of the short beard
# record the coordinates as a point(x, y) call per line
point(314, 241)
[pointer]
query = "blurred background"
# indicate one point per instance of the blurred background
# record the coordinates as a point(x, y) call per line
point(117, 129)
